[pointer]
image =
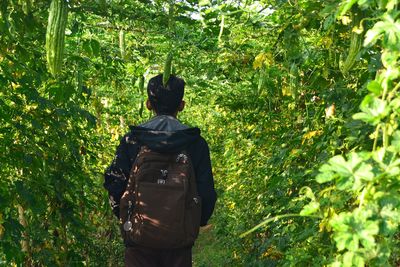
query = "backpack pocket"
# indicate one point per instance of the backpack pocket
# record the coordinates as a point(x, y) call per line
point(159, 215)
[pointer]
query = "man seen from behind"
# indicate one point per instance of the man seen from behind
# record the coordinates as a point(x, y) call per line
point(160, 182)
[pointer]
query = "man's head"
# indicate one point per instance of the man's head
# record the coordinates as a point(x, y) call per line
point(165, 100)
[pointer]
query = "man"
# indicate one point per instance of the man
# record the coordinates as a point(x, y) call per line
point(163, 133)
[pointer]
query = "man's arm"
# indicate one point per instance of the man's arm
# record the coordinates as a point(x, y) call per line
point(117, 174)
point(204, 179)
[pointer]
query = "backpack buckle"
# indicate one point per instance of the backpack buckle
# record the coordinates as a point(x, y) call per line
point(164, 173)
point(182, 158)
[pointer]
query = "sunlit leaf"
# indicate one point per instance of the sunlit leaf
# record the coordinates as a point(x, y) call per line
point(259, 60)
point(345, 6)
point(375, 87)
point(310, 208)
point(374, 110)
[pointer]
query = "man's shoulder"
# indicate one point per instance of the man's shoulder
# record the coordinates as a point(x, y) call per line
point(199, 146)
point(128, 138)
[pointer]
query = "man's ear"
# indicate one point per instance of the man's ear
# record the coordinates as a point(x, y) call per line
point(148, 105)
point(181, 106)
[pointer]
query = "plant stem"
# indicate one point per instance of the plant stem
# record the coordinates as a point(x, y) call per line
point(376, 137)
point(221, 30)
point(391, 94)
point(385, 136)
point(274, 219)
point(362, 197)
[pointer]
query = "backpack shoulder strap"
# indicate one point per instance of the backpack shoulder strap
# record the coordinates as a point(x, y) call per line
point(185, 157)
point(135, 165)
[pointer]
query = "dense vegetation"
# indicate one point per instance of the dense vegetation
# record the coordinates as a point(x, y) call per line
point(299, 101)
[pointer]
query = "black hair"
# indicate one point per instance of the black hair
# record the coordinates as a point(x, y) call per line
point(165, 100)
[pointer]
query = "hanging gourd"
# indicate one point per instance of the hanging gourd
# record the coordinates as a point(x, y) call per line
point(55, 35)
point(168, 61)
point(167, 69)
point(122, 43)
point(141, 89)
point(356, 40)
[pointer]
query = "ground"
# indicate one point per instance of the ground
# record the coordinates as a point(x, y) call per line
point(208, 252)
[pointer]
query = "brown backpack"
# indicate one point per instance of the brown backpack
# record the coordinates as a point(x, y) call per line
point(160, 207)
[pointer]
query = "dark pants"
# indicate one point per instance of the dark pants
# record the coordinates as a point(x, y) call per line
point(145, 257)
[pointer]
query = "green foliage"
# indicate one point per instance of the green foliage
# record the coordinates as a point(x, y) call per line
point(364, 227)
point(306, 156)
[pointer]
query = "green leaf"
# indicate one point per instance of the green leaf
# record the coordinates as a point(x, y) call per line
point(375, 87)
point(351, 229)
point(365, 117)
point(395, 104)
point(358, 261)
point(326, 174)
point(95, 45)
point(345, 240)
point(310, 208)
point(388, 28)
point(374, 106)
point(364, 3)
point(307, 192)
point(348, 259)
point(363, 173)
point(339, 164)
point(374, 34)
point(374, 110)
point(394, 171)
point(354, 161)
point(344, 182)
point(396, 141)
point(345, 6)
point(370, 228)
point(335, 264)
point(389, 213)
point(87, 47)
point(389, 58)
point(204, 2)
point(391, 4)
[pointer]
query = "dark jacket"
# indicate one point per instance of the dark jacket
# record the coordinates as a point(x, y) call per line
point(164, 134)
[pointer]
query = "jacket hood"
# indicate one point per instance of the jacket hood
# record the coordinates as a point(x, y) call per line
point(165, 141)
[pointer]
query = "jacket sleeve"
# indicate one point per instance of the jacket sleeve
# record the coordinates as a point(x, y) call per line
point(204, 180)
point(117, 174)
